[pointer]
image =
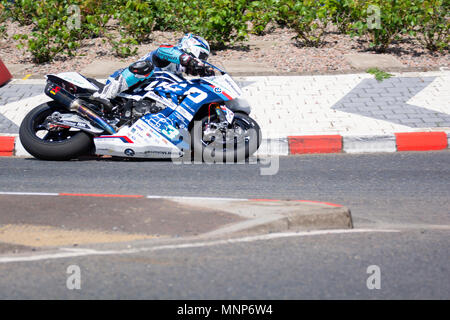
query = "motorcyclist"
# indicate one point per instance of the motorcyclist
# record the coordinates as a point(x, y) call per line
point(186, 56)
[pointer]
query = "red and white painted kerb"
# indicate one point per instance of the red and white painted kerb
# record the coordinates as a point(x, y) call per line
point(293, 145)
point(401, 141)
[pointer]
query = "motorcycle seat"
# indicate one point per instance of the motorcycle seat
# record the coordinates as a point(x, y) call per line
point(97, 83)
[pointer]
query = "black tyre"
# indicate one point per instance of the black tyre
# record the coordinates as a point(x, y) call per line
point(56, 143)
point(239, 141)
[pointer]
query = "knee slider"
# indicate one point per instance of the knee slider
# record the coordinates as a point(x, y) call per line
point(141, 68)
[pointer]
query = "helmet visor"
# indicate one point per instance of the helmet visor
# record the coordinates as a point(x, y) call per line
point(203, 56)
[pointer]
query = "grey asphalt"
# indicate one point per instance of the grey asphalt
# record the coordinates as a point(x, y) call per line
point(413, 265)
point(410, 187)
point(408, 192)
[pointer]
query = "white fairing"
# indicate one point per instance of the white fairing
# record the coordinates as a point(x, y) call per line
point(141, 139)
point(146, 138)
point(226, 84)
point(77, 79)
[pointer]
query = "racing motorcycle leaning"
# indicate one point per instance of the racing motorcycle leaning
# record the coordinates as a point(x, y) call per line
point(165, 116)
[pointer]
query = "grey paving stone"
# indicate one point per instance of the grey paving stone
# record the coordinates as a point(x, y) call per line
point(440, 124)
point(385, 100)
point(409, 120)
point(396, 117)
point(382, 112)
point(390, 102)
point(435, 120)
point(403, 90)
point(367, 95)
point(373, 90)
point(382, 84)
point(12, 93)
point(388, 107)
point(362, 100)
point(418, 125)
point(7, 126)
point(16, 92)
point(395, 94)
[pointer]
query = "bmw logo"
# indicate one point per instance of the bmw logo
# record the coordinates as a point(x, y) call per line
point(129, 152)
point(217, 90)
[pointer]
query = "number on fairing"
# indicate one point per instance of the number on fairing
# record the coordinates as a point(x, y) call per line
point(196, 95)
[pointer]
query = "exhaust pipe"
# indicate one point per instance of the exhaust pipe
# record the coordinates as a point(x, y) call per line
point(72, 103)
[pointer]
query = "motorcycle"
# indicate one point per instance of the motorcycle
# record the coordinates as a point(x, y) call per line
point(165, 116)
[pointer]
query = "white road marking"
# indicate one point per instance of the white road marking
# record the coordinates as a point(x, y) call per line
point(148, 197)
point(74, 252)
point(29, 193)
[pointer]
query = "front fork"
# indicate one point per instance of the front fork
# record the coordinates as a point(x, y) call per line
point(221, 115)
point(222, 127)
point(224, 118)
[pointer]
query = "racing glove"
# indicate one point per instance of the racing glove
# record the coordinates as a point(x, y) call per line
point(194, 66)
point(208, 72)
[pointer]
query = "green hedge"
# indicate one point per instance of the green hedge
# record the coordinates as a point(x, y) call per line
point(222, 22)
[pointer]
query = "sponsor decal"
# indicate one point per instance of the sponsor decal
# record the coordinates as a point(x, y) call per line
point(170, 132)
point(158, 152)
point(55, 90)
point(76, 81)
point(124, 139)
point(70, 123)
point(228, 113)
point(184, 113)
point(187, 106)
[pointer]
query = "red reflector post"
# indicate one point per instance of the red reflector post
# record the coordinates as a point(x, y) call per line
point(5, 75)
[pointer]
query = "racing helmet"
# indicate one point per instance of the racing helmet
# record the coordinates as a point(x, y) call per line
point(195, 45)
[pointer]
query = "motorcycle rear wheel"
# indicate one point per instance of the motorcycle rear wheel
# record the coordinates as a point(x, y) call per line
point(54, 144)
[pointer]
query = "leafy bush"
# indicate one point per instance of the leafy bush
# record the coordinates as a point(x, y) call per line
point(124, 47)
point(3, 33)
point(50, 35)
point(95, 14)
point(55, 33)
point(343, 13)
point(261, 13)
point(221, 22)
point(136, 18)
point(382, 21)
point(433, 24)
point(218, 21)
point(20, 10)
point(164, 13)
point(309, 19)
point(3, 18)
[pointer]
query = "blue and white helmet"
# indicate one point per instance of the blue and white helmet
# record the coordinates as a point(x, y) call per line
point(195, 45)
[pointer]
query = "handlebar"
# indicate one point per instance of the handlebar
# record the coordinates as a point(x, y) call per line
point(217, 68)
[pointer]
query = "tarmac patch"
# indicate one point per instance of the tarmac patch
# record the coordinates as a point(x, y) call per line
point(46, 236)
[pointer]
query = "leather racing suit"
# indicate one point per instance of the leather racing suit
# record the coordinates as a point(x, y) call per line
point(166, 58)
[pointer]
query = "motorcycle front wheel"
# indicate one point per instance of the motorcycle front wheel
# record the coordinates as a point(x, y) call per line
point(212, 142)
point(56, 143)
